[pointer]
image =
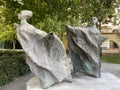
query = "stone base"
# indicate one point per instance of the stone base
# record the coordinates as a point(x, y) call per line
point(107, 81)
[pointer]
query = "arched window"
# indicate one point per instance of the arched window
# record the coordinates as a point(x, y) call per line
point(115, 31)
point(113, 45)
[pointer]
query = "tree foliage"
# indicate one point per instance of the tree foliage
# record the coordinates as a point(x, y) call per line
point(63, 9)
point(52, 15)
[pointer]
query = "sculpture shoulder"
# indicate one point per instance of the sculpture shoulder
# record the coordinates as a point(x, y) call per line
point(28, 28)
point(94, 31)
point(83, 29)
point(25, 27)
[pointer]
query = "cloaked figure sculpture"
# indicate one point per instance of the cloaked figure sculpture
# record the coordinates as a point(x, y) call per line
point(84, 48)
point(45, 52)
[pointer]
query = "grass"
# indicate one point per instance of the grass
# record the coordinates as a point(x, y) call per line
point(111, 58)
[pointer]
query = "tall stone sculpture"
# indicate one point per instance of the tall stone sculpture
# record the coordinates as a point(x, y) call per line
point(45, 52)
point(84, 47)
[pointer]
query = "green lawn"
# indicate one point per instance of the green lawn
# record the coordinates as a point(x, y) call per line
point(111, 58)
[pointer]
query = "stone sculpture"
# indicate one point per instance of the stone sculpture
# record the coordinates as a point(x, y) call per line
point(84, 47)
point(45, 52)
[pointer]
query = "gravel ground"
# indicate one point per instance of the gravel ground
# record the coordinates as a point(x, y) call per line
point(19, 83)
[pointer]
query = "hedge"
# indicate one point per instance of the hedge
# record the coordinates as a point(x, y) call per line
point(12, 65)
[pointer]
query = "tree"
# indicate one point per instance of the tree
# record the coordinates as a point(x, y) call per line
point(8, 34)
point(64, 9)
point(51, 15)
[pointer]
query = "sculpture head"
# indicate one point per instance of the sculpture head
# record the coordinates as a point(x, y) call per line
point(25, 14)
point(94, 20)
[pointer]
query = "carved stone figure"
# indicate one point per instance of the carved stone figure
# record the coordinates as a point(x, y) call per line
point(84, 48)
point(45, 52)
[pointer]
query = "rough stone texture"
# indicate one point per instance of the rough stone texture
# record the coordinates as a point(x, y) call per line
point(45, 53)
point(84, 47)
point(81, 82)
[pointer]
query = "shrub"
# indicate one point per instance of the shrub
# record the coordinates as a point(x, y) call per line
point(12, 64)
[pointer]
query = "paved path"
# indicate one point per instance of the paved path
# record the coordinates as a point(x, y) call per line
point(113, 68)
point(19, 83)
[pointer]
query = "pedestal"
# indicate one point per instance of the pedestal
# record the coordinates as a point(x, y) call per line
point(107, 81)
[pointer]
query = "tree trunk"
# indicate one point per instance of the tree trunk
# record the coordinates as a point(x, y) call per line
point(14, 42)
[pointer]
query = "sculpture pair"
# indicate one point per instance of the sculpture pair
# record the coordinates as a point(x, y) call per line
point(46, 56)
